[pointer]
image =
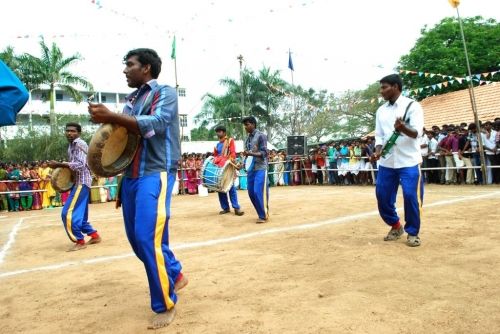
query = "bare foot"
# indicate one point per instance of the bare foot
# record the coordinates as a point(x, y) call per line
point(181, 283)
point(162, 319)
point(77, 247)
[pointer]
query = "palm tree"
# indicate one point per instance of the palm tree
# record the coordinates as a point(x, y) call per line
point(52, 70)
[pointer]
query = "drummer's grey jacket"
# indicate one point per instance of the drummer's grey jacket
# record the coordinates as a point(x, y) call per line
point(156, 110)
point(257, 142)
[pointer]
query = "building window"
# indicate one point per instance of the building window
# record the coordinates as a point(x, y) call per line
point(182, 91)
point(183, 120)
point(103, 98)
point(185, 138)
point(59, 96)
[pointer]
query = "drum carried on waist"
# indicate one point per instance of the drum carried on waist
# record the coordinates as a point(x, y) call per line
point(62, 179)
point(217, 178)
point(111, 150)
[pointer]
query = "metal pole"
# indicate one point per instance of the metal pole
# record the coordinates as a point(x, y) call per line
point(181, 179)
point(240, 59)
point(473, 103)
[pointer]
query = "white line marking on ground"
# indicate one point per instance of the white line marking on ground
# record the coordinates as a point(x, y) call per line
point(200, 244)
point(10, 240)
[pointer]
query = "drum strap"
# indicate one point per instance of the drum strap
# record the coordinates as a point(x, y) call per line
point(225, 148)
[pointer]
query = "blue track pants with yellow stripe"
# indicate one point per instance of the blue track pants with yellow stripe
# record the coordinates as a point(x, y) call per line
point(258, 190)
point(146, 212)
point(388, 181)
point(75, 213)
point(233, 196)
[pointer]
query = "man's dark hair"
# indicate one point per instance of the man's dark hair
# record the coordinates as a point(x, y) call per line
point(75, 125)
point(145, 57)
point(472, 126)
point(220, 128)
point(249, 119)
point(393, 79)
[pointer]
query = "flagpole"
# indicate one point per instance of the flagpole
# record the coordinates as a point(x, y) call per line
point(240, 59)
point(290, 66)
point(473, 101)
point(173, 55)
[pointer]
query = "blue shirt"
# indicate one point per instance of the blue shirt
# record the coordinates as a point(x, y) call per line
point(13, 95)
point(155, 108)
point(257, 142)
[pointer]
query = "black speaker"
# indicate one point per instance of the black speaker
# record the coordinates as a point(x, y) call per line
point(296, 145)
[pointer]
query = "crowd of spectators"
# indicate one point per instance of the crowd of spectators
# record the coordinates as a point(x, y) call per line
point(26, 186)
point(450, 155)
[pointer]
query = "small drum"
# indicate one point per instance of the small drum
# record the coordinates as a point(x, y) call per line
point(62, 179)
point(249, 162)
point(217, 178)
point(111, 150)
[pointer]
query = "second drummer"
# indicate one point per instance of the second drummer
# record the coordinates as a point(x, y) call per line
point(75, 212)
point(225, 149)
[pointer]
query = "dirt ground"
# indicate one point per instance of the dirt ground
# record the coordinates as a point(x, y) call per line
point(319, 266)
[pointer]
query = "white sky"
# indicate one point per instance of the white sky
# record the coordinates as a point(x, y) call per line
point(336, 45)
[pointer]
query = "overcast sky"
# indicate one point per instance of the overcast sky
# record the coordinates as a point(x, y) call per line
point(336, 45)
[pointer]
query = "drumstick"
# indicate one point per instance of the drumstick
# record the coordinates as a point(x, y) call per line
point(89, 101)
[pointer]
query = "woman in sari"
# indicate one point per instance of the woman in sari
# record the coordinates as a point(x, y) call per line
point(4, 205)
point(35, 184)
point(192, 181)
point(296, 165)
point(14, 176)
point(49, 193)
point(354, 162)
point(26, 198)
point(279, 168)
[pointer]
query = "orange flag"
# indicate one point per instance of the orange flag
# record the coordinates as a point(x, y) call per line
point(454, 3)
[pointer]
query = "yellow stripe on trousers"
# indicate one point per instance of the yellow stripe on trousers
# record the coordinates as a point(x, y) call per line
point(69, 214)
point(161, 217)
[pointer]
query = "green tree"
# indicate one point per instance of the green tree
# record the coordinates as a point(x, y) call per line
point(262, 96)
point(440, 50)
point(51, 70)
point(203, 132)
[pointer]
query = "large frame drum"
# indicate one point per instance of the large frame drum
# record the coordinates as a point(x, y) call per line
point(62, 179)
point(111, 150)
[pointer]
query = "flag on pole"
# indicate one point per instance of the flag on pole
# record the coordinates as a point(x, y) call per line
point(172, 55)
point(454, 3)
point(290, 63)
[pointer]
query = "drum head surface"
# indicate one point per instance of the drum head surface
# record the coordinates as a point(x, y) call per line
point(62, 179)
point(111, 150)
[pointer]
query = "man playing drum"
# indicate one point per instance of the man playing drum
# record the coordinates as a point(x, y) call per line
point(258, 184)
point(151, 111)
point(224, 150)
point(75, 212)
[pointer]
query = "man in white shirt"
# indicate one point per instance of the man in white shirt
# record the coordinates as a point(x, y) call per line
point(401, 164)
point(432, 160)
point(489, 143)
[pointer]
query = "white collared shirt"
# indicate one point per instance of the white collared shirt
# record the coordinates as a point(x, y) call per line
point(433, 144)
point(406, 152)
point(489, 142)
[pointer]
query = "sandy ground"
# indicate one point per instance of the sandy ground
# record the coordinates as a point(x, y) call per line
point(319, 266)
